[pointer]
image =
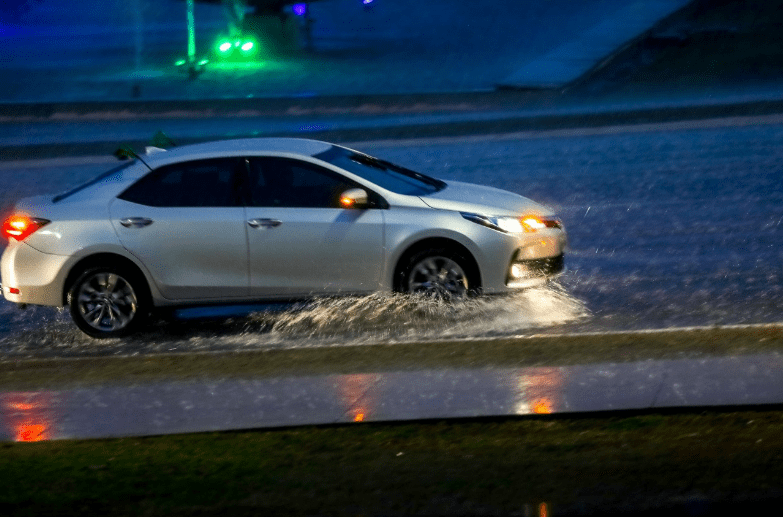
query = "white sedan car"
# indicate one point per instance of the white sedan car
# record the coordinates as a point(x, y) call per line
point(267, 220)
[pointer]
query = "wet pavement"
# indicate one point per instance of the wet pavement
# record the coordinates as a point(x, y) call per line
point(167, 407)
point(71, 133)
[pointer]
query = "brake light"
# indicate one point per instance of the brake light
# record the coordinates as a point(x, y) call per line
point(19, 227)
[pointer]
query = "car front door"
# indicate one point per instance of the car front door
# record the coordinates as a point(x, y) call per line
point(301, 242)
point(186, 224)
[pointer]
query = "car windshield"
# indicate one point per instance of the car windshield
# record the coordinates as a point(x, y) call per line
point(386, 175)
point(100, 177)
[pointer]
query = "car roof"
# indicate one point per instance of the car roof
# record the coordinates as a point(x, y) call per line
point(250, 146)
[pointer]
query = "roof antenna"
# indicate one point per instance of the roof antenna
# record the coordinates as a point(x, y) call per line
point(125, 152)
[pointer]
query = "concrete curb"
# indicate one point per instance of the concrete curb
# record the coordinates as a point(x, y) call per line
point(500, 125)
point(356, 104)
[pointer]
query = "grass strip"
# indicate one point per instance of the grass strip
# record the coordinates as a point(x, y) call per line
point(631, 462)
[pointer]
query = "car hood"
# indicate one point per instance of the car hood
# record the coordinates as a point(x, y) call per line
point(468, 197)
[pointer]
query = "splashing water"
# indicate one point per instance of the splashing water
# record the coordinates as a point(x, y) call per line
point(398, 317)
point(377, 318)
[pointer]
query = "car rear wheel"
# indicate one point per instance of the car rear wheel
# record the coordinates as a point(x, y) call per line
point(108, 302)
point(439, 273)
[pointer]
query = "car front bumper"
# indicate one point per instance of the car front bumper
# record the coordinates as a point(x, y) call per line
point(531, 272)
point(520, 261)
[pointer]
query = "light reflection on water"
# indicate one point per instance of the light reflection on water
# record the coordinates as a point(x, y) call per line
point(30, 416)
point(176, 407)
point(538, 391)
point(354, 391)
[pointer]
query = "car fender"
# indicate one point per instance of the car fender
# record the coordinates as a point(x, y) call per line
point(70, 237)
point(86, 253)
point(401, 235)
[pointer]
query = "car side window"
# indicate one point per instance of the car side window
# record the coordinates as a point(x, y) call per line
point(198, 183)
point(286, 182)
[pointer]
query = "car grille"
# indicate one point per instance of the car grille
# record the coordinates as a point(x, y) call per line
point(543, 267)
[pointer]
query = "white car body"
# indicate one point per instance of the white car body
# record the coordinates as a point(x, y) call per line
point(215, 255)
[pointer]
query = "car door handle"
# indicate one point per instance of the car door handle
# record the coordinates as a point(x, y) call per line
point(264, 223)
point(135, 222)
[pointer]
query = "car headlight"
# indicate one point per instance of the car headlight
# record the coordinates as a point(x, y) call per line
point(507, 224)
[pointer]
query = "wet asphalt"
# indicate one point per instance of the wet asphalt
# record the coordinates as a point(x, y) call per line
point(217, 403)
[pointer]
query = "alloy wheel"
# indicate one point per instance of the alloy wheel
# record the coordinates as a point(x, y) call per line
point(106, 302)
point(439, 277)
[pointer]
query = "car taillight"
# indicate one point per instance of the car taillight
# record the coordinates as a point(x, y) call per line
point(19, 227)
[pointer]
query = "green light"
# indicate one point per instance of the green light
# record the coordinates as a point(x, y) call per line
point(191, 33)
point(243, 66)
point(225, 46)
point(248, 46)
point(180, 62)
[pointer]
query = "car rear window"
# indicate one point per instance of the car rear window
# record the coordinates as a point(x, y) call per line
point(198, 183)
point(97, 179)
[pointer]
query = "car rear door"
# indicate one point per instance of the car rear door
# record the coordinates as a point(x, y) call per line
point(186, 224)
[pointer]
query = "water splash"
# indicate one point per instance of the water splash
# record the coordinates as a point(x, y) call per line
point(378, 318)
point(397, 317)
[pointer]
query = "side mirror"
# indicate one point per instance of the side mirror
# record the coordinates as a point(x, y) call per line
point(354, 198)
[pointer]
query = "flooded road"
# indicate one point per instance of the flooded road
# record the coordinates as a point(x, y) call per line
point(668, 227)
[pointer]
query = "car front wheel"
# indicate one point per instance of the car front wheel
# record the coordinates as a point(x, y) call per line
point(440, 274)
point(108, 302)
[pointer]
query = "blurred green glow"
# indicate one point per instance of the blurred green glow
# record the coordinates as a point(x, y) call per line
point(232, 66)
point(180, 62)
point(244, 49)
point(191, 33)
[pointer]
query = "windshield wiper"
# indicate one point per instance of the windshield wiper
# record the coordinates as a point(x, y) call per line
point(368, 160)
point(413, 174)
point(384, 165)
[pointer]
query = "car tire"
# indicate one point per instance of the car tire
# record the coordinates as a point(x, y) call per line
point(108, 302)
point(439, 273)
